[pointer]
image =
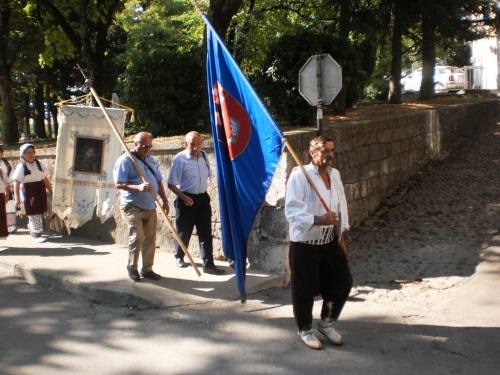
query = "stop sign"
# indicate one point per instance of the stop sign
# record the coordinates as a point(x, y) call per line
point(324, 70)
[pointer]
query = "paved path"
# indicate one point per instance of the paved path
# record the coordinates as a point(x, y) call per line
point(430, 236)
point(432, 232)
point(97, 271)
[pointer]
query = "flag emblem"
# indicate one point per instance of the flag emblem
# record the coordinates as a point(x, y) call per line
point(235, 121)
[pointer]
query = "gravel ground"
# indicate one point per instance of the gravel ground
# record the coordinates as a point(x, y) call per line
point(438, 225)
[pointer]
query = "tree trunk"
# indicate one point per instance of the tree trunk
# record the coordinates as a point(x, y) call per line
point(220, 14)
point(344, 31)
point(241, 40)
point(48, 100)
point(27, 116)
point(10, 133)
point(39, 116)
point(428, 57)
point(53, 110)
point(397, 54)
point(9, 119)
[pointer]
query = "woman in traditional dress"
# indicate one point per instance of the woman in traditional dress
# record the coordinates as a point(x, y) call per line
point(9, 192)
point(30, 185)
point(4, 197)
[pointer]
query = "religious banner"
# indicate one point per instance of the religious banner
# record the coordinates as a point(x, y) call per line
point(86, 153)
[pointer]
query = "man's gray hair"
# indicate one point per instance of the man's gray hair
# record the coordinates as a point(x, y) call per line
point(318, 142)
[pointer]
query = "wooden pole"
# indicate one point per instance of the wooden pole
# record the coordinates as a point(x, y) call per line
point(144, 179)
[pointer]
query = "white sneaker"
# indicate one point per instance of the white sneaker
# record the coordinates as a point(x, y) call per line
point(330, 333)
point(32, 232)
point(309, 339)
point(41, 239)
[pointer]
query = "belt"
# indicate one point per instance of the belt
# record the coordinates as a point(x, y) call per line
point(194, 195)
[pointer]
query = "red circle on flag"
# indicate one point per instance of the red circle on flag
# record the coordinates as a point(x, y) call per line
point(237, 124)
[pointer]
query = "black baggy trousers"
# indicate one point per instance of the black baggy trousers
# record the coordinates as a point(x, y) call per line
point(318, 270)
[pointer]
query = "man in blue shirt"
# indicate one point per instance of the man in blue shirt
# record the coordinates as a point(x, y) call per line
point(188, 180)
point(138, 206)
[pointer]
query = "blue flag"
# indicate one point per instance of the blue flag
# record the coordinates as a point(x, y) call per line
point(248, 144)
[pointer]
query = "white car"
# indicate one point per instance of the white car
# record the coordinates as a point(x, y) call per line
point(446, 78)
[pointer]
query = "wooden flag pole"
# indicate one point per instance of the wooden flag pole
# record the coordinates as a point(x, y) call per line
point(144, 179)
point(299, 163)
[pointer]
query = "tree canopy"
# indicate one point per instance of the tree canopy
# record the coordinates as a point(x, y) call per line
point(151, 52)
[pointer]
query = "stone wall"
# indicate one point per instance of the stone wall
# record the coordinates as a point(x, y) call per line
point(374, 158)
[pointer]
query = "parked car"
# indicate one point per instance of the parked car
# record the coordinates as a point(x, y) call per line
point(446, 78)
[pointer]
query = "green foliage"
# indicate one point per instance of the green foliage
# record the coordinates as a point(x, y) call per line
point(22, 41)
point(277, 82)
point(457, 54)
point(164, 90)
point(160, 24)
point(378, 83)
point(57, 46)
point(153, 50)
point(163, 76)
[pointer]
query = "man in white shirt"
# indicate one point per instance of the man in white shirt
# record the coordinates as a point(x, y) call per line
point(318, 262)
point(188, 180)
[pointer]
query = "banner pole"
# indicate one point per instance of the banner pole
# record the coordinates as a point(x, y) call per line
point(197, 7)
point(299, 163)
point(141, 173)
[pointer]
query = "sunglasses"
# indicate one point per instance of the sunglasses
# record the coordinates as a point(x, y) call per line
point(144, 147)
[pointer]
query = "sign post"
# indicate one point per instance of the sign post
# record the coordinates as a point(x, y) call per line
point(320, 81)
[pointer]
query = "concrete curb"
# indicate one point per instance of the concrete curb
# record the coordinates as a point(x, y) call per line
point(107, 294)
point(102, 295)
point(272, 283)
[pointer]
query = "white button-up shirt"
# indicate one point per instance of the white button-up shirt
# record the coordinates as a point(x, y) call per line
point(302, 204)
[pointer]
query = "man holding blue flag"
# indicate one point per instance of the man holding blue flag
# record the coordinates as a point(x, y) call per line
point(318, 262)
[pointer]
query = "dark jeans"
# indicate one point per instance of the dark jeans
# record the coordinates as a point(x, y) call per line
point(318, 270)
point(199, 215)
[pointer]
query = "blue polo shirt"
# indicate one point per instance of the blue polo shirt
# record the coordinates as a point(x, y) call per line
point(190, 174)
point(125, 171)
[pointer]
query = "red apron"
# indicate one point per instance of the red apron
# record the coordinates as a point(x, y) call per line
point(35, 198)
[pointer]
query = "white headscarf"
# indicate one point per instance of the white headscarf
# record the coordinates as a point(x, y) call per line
point(25, 148)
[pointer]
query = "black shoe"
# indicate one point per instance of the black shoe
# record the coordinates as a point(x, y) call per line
point(151, 275)
point(180, 263)
point(212, 270)
point(134, 275)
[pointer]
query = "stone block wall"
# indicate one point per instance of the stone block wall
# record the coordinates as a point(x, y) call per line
point(374, 158)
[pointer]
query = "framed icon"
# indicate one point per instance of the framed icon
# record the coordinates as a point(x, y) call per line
point(89, 155)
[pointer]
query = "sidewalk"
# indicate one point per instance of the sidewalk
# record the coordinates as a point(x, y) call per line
point(97, 271)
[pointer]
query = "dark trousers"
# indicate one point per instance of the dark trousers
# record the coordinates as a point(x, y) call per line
point(199, 215)
point(318, 270)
